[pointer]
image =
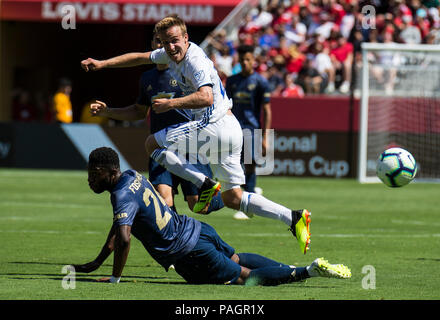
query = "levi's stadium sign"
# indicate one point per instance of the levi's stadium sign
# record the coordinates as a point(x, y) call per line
point(195, 12)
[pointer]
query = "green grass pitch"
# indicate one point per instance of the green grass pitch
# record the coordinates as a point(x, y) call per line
point(50, 219)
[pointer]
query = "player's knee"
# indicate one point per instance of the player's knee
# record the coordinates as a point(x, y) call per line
point(235, 258)
point(151, 144)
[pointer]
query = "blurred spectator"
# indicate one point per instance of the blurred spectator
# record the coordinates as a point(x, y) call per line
point(348, 20)
point(410, 33)
point(223, 61)
point(322, 26)
point(268, 39)
point(384, 66)
point(296, 31)
point(305, 16)
point(61, 101)
point(22, 108)
point(296, 60)
point(341, 54)
point(44, 106)
point(323, 64)
point(309, 78)
point(218, 41)
point(262, 18)
point(275, 79)
point(291, 89)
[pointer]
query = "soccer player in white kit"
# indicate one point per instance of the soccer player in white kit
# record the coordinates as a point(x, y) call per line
point(212, 121)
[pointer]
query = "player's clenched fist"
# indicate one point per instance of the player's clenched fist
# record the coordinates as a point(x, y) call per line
point(91, 64)
point(98, 108)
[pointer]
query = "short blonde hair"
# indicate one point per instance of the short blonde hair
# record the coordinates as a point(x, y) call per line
point(168, 22)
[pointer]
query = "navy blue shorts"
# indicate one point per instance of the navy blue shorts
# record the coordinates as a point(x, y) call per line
point(209, 261)
point(160, 175)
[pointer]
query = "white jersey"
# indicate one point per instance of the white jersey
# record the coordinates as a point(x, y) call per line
point(194, 71)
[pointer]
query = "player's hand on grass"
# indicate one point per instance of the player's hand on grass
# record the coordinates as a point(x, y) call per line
point(90, 64)
point(109, 280)
point(98, 108)
point(87, 267)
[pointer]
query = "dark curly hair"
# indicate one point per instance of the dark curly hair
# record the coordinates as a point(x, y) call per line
point(243, 49)
point(104, 157)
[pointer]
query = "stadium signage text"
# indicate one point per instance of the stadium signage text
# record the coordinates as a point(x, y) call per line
point(139, 12)
point(300, 154)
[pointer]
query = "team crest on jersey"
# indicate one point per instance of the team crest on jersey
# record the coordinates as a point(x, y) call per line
point(149, 88)
point(199, 75)
point(173, 82)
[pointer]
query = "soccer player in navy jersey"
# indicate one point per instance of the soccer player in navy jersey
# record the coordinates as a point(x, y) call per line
point(154, 84)
point(250, 93)
point(195, 249)
point(213, 125)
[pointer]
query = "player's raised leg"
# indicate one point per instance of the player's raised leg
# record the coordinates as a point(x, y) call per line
point(173, 162)
point(254, 204)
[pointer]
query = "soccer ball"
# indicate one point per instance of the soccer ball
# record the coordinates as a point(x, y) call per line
point(396, 167)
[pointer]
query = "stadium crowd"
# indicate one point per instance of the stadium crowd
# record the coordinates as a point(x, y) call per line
point(302, 47)
point(314, 46)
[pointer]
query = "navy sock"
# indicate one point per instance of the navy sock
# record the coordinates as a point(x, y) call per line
point(251, 182)
point(216, 203)
point(272, 276)
point(301, 274)
point(255, 261)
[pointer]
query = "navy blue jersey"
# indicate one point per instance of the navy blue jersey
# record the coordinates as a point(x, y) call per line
point(156, 84)
point(248, 95)
point(166, 235)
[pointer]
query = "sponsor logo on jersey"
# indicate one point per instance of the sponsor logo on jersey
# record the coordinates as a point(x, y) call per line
point(199, 75)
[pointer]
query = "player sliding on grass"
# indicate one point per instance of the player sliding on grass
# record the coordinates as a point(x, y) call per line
point(210, 107)
point(195, 249)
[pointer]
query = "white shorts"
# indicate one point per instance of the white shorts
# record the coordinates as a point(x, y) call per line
point(218, 144)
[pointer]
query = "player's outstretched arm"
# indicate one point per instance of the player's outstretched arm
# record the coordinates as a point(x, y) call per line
point(122, 248)
point(129, 113)
point(106, 250)
point(202, 98)
point(123, 61)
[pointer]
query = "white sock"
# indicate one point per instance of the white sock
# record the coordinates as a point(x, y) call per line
point(252, 203)
point(312, 272)
point(178, 166)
